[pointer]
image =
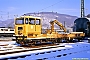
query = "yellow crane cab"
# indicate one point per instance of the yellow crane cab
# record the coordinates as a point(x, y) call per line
point(27, 27)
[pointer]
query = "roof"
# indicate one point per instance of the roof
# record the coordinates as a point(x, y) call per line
point(88, 19)
point(31, 17)
point(83, 19)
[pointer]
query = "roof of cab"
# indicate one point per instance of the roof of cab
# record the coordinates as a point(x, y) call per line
point(31, 17)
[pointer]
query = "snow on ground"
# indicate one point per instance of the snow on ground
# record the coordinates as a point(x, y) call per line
point(6, 38)
point(79, 51)
point(7, 42)
point(71, 51)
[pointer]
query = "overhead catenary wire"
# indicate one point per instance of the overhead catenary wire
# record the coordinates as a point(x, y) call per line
point(51, 5)
point(5, 13)
point(47, 7)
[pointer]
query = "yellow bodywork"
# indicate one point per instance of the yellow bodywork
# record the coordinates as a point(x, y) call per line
point(58, 23)
point(29, 30)
point(31, 27)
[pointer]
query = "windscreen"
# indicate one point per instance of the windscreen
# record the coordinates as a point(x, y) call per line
point(19, 21)
point(32, 21)
point(37, 21)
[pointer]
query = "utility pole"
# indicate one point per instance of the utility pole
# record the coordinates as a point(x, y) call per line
point(82, 9)
point(64, 24)
point(8, 15)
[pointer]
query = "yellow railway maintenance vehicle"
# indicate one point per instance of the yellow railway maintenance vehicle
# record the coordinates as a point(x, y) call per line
point(28, 31)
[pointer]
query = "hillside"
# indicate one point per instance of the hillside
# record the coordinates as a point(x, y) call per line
point(46, 18)
point(7, 23)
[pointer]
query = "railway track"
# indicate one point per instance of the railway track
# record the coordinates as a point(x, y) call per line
point(9, 49)
point(12, 51)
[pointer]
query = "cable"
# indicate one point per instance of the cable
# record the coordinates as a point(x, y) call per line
point(51, 5)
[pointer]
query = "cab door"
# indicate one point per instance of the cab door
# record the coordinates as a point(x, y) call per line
point(38, 26)
point(31, 27)
point(19, 26)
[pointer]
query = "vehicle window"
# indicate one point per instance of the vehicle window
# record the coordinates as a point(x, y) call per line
point(38, 22)
point(5, 29)
point(31, 21)
point(11, 30)
point(19, 21)
point(26, 20)
point(1, 29)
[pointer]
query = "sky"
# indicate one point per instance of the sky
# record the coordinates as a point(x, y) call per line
point(11, 8)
